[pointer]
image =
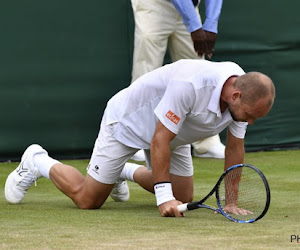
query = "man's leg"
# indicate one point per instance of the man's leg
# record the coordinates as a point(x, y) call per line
point(107, 161)
point(106, 164)
point(86, 193)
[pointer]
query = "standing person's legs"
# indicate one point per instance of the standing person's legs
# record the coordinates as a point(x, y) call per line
point(154, 22)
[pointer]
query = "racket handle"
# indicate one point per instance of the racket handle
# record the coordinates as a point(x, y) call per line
point(183, 207)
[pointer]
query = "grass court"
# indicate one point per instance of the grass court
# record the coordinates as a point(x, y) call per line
point(46, 219)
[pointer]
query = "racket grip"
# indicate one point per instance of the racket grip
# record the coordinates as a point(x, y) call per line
point(183, 207)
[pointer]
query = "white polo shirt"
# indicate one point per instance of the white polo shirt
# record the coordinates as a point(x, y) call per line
point(184, 96)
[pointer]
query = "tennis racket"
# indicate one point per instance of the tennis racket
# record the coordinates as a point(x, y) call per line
point(242, 193)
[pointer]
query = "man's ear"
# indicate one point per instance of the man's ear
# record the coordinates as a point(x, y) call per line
point(236, 94)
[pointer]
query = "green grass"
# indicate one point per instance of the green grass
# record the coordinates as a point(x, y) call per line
point(46, 219)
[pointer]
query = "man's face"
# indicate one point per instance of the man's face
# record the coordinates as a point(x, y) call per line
point(242, 112)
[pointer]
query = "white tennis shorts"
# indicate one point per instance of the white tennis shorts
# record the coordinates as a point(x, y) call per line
point(109, 157)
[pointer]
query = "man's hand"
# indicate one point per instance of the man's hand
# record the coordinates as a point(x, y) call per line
point(211, 40)
point(204, 42)
point(169, 209)
point(233, 209)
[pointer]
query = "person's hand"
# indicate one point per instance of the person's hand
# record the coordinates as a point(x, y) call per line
point(204, 42)
point(169, 209)
point(211, 41)
point(233, 209)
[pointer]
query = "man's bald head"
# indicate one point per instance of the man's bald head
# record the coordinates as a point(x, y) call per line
point(254, 87)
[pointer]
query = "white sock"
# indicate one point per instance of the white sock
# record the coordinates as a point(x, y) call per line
point(128, 171)
point(44, 163)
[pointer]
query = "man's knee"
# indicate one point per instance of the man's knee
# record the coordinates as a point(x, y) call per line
point(89, 205)
point(92, 194)
point(84, 201)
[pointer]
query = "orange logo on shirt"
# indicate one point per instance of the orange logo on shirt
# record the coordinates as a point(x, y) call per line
point(172, 117)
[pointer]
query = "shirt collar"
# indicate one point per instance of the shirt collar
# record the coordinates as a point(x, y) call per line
point(214, 103)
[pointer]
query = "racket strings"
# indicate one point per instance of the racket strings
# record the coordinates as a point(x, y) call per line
point(243, 188)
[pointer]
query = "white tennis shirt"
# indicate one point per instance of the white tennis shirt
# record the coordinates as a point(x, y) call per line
point(184, 96)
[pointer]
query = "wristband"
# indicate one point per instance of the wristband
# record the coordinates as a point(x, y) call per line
point(163, 192)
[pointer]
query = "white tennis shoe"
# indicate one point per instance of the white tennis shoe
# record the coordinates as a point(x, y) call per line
point(215, 151)
point(120, 192)
point(21, 179)
point(139, 156)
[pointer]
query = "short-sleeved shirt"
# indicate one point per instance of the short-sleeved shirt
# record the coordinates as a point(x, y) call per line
point(184, 96)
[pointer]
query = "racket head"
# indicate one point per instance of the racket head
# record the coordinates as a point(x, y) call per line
point(252, 189)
